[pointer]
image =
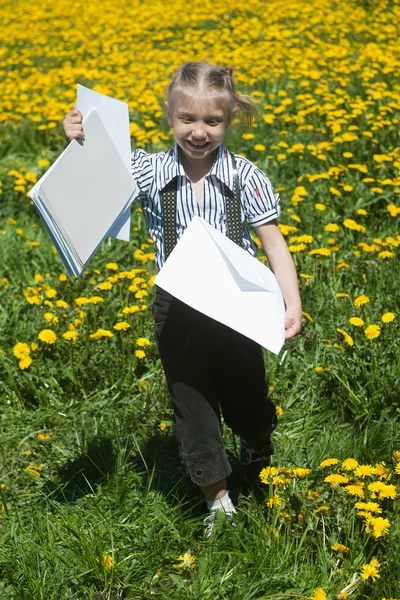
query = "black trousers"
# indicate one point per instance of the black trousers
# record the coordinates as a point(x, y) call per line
point(210, 369)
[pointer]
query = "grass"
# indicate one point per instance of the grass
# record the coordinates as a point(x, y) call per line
point(94, 503)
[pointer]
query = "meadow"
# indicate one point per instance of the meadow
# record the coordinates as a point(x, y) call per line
point(93, 501)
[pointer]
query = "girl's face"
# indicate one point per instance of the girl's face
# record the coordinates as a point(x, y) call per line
point(199, 124)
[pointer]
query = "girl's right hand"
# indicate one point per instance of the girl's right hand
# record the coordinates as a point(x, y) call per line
point(72, 123)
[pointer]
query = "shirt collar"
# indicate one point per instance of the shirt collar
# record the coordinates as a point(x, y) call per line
point(172, 167)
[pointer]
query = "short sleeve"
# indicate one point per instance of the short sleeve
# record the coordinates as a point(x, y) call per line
point(261, 201)
point(142, 170)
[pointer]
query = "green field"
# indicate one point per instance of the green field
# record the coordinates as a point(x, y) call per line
point(93, 501)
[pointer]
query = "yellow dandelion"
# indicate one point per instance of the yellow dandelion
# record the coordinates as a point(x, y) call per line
point(356, 321)
point(121, 326)
point(380, 526)
point(369, 571)
point(372, 331)
point(387, 491)
point(336, 478)
point(108, 561)
point(328, 462)
point(300, 472)
point(101, 333)
point(319, 594)
point(321, 510)
point(349, 464)
point(71, 336)
point(360, 301)
point(332, 227)
point(372, 507)
point(365, 471)
point(25, 362)
point(388, 317)
point(112, 266)
point(187, 561)
point(347, 338)
point(141, 342)
point(47, 336)
point(355, 490)
point(140, 354)
point(21, 350)
point(266, 475)
point(340, 548)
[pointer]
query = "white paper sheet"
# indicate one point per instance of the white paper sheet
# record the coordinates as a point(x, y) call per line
point(114, 115)
point(212, 274)
point(83, 194)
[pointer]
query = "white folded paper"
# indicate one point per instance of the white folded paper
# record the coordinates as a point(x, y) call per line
point(114, 115)
point(212, 274)
point(83, 194)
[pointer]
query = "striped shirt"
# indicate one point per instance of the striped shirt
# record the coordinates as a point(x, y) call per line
point(152, 172)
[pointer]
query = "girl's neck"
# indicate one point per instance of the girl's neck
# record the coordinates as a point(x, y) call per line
point(197, 168)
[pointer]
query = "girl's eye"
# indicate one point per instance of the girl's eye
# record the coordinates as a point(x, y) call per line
point(213, 123)
point(186, 120)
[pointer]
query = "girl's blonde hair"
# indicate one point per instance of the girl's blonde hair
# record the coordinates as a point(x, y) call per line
point(215, 81)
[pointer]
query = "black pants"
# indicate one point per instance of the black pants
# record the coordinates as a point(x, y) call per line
point(210, 368)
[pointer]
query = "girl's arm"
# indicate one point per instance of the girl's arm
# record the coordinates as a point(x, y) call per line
point(282, 265)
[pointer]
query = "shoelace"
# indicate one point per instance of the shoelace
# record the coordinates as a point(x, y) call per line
point(209, 522)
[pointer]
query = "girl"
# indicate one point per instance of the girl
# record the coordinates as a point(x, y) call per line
point(209, 367)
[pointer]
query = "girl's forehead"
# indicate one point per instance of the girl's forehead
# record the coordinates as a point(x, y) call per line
point(199, 105)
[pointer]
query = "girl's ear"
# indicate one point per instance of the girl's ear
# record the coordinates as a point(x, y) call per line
point(168, 113)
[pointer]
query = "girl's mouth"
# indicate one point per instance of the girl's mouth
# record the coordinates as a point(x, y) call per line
point(198, 145)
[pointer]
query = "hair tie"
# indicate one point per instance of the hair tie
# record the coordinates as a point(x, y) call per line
point(229, 71)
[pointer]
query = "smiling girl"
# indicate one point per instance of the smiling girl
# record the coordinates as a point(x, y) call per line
point(210, 368)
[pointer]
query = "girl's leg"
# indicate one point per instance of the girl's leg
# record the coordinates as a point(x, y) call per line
point(186, 348)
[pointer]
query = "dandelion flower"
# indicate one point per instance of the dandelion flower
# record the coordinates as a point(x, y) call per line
point(101, 333)
point(332, 227)
point(372, 331)
point(349, 464)
point(187, 561)
point(347, 338)
point(121, 326)
point(321, 510)
point(356, 321)
point(112, 266)
point(355, 490)
point(340, 548)
point(140, 354)
point(380, 526)
point(336, 478)
point(300, 472)
point(365, 471)
point(387, 491)
point(361, 300)
point(141, 342)
point(47, 336)
point(328, 462)
point(108, 561)
point(43, 436)
point(368, 571)
point(25, 362)
point(388, 317)
point(267, 474)
point(369, 506)
point(71, 336)
point(21, 350)
point(319, 594)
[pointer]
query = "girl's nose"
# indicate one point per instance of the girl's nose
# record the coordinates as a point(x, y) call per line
point(198, 131)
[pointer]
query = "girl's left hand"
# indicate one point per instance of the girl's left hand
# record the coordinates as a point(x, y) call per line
point(292, 323)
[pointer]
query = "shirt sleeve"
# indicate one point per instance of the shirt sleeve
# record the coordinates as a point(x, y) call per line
point(142, 170)
point(261, 201)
